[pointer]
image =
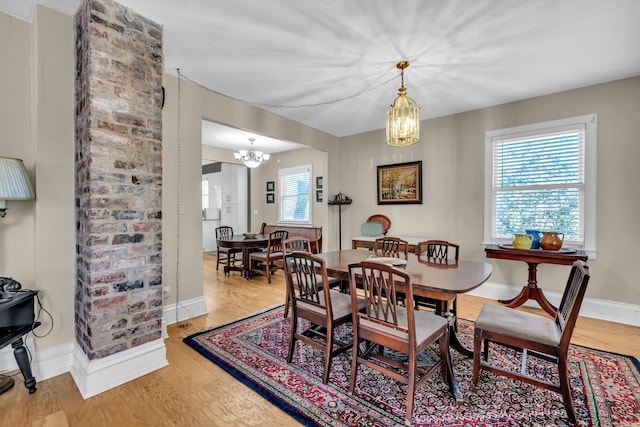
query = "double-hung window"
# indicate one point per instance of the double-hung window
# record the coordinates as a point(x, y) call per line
point(542, 176)
point(294, 203)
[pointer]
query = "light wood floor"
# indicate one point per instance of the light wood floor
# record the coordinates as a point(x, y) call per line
point(192, 391)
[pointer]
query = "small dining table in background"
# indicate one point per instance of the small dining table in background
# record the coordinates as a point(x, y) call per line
point(247, 245)
point(441, 282)
point(533, 257)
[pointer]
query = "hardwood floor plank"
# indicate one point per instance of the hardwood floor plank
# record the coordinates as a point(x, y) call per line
point(192, 391)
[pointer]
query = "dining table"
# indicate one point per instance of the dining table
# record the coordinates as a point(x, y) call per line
point(438, 281)
point(246, 245)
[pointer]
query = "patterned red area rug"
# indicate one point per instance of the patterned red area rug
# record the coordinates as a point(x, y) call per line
point(606, 386)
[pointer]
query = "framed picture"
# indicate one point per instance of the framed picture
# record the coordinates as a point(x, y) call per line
point(318, 182)
point(271, 186)
point(271, 198)
point(400, 183)
point(318, 195)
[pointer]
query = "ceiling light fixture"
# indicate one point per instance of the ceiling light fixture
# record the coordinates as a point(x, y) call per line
point(252, 158)
point(14, 183)
point(403, 116)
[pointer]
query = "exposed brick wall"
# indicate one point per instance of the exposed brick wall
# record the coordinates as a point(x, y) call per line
point(118, 298)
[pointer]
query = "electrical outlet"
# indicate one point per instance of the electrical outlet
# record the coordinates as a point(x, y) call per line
point(166, 292)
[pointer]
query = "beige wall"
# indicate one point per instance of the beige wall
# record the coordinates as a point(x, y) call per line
point(36, 118)
point(452, 148)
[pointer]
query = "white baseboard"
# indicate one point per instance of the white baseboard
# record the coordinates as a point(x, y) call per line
point(57, 360)
point(93, 377)
point(185, 310)
point(612, 311)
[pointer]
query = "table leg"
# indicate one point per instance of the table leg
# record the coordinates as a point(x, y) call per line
point(246, 263)
point(442, 309)
point(453, 382)
point(22, 358)
point(531, 291)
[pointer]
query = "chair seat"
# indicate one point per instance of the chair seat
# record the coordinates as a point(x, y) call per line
point(263, 255)
point(228, 250)
point(426, 323)
point(340, 304)
point(518, 324)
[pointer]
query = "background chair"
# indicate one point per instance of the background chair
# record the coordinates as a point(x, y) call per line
point(535, 335)
point(439, 252)
point(266, 259)
point(325, 309)
point(391, 247)
point(296, 243)
point(225, 256)
point(386, 324)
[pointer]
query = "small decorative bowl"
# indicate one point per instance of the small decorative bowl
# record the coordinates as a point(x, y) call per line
point(249, 235)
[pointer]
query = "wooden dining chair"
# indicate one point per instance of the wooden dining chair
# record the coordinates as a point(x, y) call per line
point(297, 244)
point(387, 324)
point(391, 247)
point(439, 252)
point(534, 335)
point(325, 309)
point(225, 256)
point(266, 260)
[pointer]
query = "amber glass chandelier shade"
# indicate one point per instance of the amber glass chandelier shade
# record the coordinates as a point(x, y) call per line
point(403, 117)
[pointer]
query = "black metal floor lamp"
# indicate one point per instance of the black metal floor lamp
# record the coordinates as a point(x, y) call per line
point(340, 199)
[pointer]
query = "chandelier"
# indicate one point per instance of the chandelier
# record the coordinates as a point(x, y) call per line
point(403, 116)
point(252, 158)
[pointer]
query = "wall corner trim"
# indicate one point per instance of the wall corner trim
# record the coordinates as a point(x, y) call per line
point(93, 377)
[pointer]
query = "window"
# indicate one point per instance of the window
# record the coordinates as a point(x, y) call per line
point(542, 176)
point(294, 203)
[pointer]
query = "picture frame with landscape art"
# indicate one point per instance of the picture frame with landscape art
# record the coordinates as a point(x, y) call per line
point(400, 183)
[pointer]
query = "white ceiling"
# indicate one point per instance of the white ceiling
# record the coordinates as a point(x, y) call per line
point(217, 135)
point(339, 55)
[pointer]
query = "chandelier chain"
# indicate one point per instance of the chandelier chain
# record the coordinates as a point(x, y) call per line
point(317, 104)
point(178, 199)
point(178, 205)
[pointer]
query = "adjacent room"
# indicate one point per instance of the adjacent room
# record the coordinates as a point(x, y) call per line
point(312, 213)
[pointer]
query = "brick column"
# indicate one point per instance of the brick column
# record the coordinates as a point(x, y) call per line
point(118, 298)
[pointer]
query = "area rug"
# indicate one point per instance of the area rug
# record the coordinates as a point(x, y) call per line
point(605, 386)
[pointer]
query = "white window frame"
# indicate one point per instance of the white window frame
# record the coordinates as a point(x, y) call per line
point(282, 173)
point(590, 124)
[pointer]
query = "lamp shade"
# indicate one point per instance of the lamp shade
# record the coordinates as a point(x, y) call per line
point(14, 182)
